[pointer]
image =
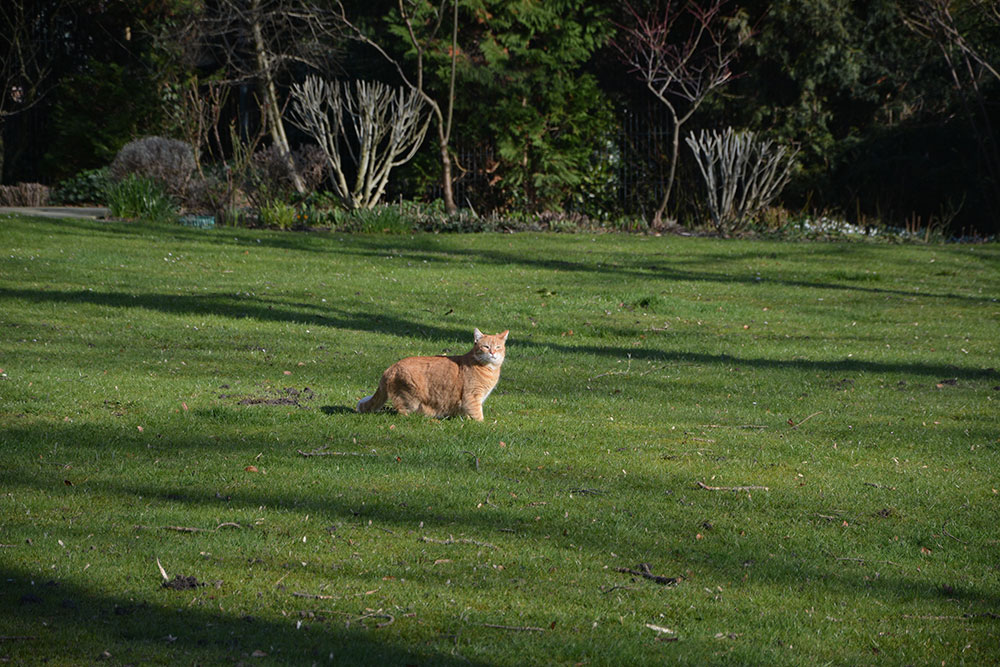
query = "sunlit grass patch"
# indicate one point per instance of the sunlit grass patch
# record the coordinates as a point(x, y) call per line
point(810, 454)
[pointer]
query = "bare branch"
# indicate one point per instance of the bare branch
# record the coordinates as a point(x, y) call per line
point(443, 119)
point(681, 69)
point(702, 485)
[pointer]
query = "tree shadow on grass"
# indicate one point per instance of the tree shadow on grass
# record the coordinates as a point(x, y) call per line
point(337, 410)
point(431, 248)
point(642, 268)
point(397, 506)
point(68, 622)
point(124, 627)
point(226, 305)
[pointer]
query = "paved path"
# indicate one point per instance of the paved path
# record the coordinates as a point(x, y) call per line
point(58, 211)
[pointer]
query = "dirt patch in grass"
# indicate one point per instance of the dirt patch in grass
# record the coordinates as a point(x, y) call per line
point(182, 583)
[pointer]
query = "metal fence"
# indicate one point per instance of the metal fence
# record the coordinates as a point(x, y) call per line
point(635, 160)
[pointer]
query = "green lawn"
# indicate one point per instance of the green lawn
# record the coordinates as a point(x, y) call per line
point(160, 386)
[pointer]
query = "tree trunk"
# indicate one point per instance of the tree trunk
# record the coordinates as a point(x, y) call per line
point(446, 189)
point(269, 103)
point(657, 221)
point(444, 134)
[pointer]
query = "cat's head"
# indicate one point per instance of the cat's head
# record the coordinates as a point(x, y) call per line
point(489, 349)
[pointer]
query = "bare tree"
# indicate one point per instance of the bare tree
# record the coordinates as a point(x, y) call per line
point(197, 114)
point(257, 40)
point(742, 173)
point(23, 62)
point(683, 53)
point(442, 117)
point(386, 127)
point(26, 57)
point(944, 23)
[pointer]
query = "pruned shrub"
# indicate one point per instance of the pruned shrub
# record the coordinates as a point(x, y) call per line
point(24, 194)
point(384, 126)
point(742, 173)
point(169, 162)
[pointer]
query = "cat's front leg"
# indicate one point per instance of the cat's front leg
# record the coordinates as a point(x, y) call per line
point(474, 409)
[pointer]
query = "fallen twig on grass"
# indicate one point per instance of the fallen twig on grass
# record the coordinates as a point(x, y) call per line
point(489, 495)
point(461, 540)
point(645, 573)
point(476, 458)
point(944, 529)
point(614, 588)
point(186, 529)
point(794, 425)
point(865, 561)
point(628, 367)
point(517, 628)
point(323, 452)
point(163, 573)
point(732, 488)
point(963, 617)
point(660, 628)
point(378, 613)
point(732, 426)
point(318, 596)
point(879, 486)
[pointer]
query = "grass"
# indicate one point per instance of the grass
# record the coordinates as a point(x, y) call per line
point(157, 378)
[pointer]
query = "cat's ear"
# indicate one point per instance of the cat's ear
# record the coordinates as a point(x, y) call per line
point(504, 334)
point(477, 334)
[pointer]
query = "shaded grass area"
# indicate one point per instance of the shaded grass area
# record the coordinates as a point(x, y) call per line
point(187, 396)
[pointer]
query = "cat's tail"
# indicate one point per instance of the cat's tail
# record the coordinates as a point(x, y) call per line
point(375, 401)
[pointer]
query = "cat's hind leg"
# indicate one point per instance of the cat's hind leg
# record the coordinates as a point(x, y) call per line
point(405, 404)
point(375, 401)
point(430, 411)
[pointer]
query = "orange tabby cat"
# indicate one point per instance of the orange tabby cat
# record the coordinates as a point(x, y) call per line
point(442, 386)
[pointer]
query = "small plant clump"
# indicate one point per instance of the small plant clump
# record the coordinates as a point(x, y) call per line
point(137, 197)
point(279, 214)
point(87, 187)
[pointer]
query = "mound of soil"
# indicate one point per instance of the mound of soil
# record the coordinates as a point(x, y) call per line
point(182, 583)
